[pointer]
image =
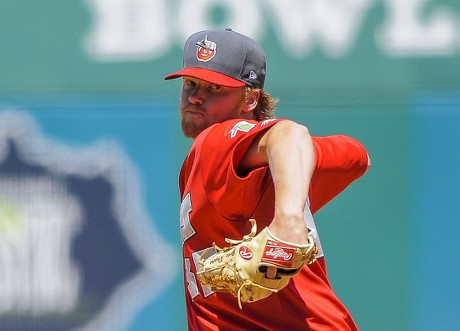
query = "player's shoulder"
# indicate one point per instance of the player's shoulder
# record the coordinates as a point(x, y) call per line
point(236, 128)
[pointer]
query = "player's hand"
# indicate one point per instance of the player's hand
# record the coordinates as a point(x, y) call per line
point(291, 230)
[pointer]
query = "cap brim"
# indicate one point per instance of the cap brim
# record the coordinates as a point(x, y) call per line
point(207, 75)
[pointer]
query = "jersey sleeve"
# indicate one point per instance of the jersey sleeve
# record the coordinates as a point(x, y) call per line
point(340, 160)
point(234, 196)
point(217, 151)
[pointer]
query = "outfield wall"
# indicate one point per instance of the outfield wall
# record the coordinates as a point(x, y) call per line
point(90, 149)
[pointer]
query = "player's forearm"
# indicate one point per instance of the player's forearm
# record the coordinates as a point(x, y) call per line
point(291, 159)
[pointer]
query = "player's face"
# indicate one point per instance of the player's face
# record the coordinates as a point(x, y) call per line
point(203, 104)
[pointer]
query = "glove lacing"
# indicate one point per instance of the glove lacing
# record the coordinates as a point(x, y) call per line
point(249, 282)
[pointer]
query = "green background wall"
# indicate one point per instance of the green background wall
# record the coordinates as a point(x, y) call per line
point(385, 72)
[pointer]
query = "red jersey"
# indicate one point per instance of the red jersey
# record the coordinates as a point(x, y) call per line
point(217, 203)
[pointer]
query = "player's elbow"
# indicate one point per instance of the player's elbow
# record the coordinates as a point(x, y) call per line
point(292, 130)
point(369, 163)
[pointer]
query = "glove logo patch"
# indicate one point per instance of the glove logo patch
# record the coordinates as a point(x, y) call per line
point(245, 253)
point(278, 253)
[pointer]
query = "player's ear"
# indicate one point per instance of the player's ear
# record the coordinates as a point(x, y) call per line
point(252, 99)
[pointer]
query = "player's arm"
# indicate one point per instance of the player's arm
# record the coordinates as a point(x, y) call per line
point(287, 149)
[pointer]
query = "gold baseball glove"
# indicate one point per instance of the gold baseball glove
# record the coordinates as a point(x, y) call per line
point(240, 269)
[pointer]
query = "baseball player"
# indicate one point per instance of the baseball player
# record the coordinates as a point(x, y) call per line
point(252, 255)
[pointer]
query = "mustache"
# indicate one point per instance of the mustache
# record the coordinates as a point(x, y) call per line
point(194, 108)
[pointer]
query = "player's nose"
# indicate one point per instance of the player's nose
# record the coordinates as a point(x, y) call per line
point(196, 96)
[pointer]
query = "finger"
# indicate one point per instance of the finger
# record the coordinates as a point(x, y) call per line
point(271, 272)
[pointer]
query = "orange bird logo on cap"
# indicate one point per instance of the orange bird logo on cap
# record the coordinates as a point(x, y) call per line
point(206, 50)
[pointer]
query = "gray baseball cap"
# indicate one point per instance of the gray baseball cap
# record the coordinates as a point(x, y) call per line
point(223, 57)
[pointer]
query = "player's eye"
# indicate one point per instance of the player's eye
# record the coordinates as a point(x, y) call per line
point(214, 87)
point(189, 82)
